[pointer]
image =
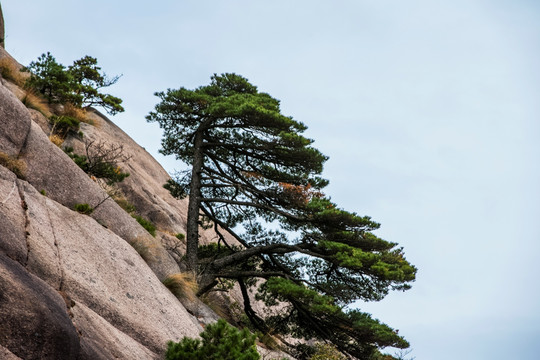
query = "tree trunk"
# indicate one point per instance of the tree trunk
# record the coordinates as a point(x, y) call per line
point(192, 236)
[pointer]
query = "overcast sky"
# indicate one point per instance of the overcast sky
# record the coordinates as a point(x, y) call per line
point(429, 111)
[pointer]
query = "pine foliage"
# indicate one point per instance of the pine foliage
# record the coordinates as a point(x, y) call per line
point(256, 176)
point(220, 341)
point(79, 84)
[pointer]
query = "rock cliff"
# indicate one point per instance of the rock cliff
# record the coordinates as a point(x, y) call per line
point(73, 286)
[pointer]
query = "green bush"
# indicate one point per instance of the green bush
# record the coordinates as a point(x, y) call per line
point(220, 341)
point(64, 124)
point(83, 209)
point(101, 161)
point(148, 225)
point(180, 236)
point(125, 204)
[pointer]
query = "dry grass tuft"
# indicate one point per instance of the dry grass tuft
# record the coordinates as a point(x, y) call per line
point(124, 203)
point(75, 112)
point(18, 167)
point(10, 70)
point(56, 139)
point(223, 306)
point(269, 342)
point(182, 285)
point(327, 352)
point(33, 101)
point(143, 248)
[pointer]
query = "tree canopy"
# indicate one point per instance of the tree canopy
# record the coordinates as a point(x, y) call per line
point(78, 84)
point(256, 177)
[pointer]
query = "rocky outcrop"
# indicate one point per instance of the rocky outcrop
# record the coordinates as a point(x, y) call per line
point(108, 289)
point(71, 285)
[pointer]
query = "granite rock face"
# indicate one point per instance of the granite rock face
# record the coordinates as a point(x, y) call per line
point(71, 285)
point(35, 322)
point(86, 287)
point(13, 133)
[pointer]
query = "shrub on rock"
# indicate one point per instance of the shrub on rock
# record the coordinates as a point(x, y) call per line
point(220, 341)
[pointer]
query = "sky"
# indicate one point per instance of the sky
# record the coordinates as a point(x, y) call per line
point(429, 111)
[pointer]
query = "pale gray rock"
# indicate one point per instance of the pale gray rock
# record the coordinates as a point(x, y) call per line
point(14, 123)
point(12, 218)
point(101, 271)
point(51, 170)
point(41, 120)
point(35, 323)
point(43, 258)
point(102, 341)
point(81, 267)
point(17, 91)
point(5, 354)
point(144, 186)
point(202, 312)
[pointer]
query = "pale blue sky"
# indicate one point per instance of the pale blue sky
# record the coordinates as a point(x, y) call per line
point(428, 110)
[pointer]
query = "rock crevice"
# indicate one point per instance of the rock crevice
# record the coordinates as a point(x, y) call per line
point(24, 207)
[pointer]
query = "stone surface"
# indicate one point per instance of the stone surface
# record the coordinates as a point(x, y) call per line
point(35, 323)
point(112, 304)
point(12, 218)
point(41, 120)
point(14, 123)
point(5, 354)
point(102, 341)
point(51, 170)
point(144, 186)
point(103, 272)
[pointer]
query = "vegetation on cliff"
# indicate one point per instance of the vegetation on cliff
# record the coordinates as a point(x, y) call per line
point(79, 84)
point(220, 341)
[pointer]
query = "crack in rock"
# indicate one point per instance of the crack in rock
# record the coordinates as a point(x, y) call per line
point(58, 256)
point(24, 206)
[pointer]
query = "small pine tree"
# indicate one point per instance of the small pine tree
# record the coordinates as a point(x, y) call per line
point(51, 79)
point(220, 341)
point(78, 84)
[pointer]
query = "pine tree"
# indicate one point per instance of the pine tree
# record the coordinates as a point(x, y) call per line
point(255, 176)
point(78, 84)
